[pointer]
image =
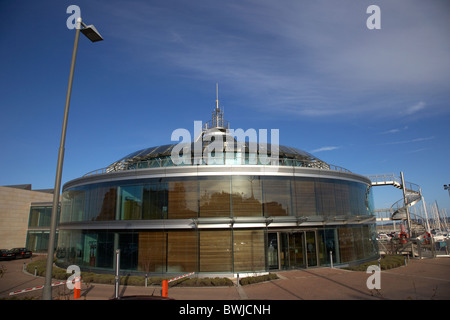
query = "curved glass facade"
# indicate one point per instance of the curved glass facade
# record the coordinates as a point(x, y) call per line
point(216, 223)
point(215, 196)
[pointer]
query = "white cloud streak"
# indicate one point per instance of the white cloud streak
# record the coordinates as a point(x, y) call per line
point(415, 108)
point(302, 58)
point(410, 141)
point(328, 148)
point(392, 131)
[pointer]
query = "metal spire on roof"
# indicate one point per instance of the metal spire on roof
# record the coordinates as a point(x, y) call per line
point(217, 96)
point(218, 113)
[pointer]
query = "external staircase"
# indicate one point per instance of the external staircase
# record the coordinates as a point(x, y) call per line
point(411, 193)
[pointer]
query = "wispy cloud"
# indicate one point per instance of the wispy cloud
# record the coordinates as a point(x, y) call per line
point(409, 141)
point(306, 59)
point(414, 108)
point(394, 130)
point(418, 150)
point(328, 148)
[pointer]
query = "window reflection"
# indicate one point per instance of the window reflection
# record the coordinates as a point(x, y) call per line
point(214, 193)
point(154, 204)
point(277, 196)
point(213, 196)
point(130, 202)
point(247, 196)
point(182, 199)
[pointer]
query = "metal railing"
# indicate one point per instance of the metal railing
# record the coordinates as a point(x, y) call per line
point(201, 161)
point(387, 179)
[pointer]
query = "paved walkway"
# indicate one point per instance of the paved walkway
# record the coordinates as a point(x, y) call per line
point(427, 279)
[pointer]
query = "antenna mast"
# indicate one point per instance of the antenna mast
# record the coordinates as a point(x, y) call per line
point(217, 116)
point(218, 113)
point(217, 96)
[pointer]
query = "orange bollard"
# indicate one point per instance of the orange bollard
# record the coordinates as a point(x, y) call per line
point(165, 288)
point(77, 289)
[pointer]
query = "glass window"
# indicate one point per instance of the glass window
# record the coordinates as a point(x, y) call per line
point(101, 200)
point(346, 245)
point(105, 253)
point(358, 198)
point(37, 241)
point(106, 201)
point(130, 202)
point(182, 199)
point(214, 195)
point(325, 192)
point(128, 245)
point(155, 201)
point(272, 250)
point(277, 196)
point(34, 216)
point(247, 196)
point(73, 203)
point(359, 244)
point(305, 197)
point(342, 199)
point(328, 242)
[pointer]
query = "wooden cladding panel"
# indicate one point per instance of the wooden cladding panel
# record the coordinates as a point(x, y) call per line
point(175, 251)
point(182, 251)
point(215, 251)
point(249, 250)
point(152, 251)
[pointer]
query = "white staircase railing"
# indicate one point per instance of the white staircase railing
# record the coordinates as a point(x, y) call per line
point(412, 193)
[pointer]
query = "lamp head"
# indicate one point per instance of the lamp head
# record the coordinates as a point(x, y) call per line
point(91, 33)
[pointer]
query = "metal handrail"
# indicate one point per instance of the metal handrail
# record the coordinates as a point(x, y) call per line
point(167, 162)
point(387, 177)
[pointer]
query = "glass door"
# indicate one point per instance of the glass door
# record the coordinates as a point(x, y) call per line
point(292, 250)
point(296, 250)
point(311, 248)
point(272, 251)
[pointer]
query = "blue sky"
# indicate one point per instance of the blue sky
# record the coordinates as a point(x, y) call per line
point(372, 101)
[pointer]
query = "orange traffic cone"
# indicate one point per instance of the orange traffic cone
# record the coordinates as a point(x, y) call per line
point(165, 288)
point(77, 289)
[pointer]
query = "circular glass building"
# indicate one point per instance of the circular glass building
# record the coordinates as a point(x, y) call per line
point(216, 205)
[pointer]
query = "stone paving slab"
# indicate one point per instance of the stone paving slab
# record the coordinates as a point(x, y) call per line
point(427, 279)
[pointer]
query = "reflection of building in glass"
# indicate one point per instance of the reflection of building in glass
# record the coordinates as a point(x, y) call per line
point(295, 212)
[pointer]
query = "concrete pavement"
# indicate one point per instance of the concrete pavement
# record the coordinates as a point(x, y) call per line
point(427, 279)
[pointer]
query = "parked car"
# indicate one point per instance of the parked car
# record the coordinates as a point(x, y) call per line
point(21, 253)
point(383, 237)
point(6, 254)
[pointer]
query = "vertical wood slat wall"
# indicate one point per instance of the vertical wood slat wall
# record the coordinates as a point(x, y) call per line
point(180, 251)
point(215, 251)
point(174, 251)
point(249, 250)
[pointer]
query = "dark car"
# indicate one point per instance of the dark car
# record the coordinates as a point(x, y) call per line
point(21, 253)
point(6, 254)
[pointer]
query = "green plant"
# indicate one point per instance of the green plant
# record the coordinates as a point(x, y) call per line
point(90, 277)
point(257, 279)
point(386, 262)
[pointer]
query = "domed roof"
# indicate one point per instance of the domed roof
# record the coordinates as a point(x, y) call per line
point(161, 156)
point(217, 130)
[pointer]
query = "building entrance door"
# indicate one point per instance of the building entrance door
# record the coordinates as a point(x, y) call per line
point(292, 250)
